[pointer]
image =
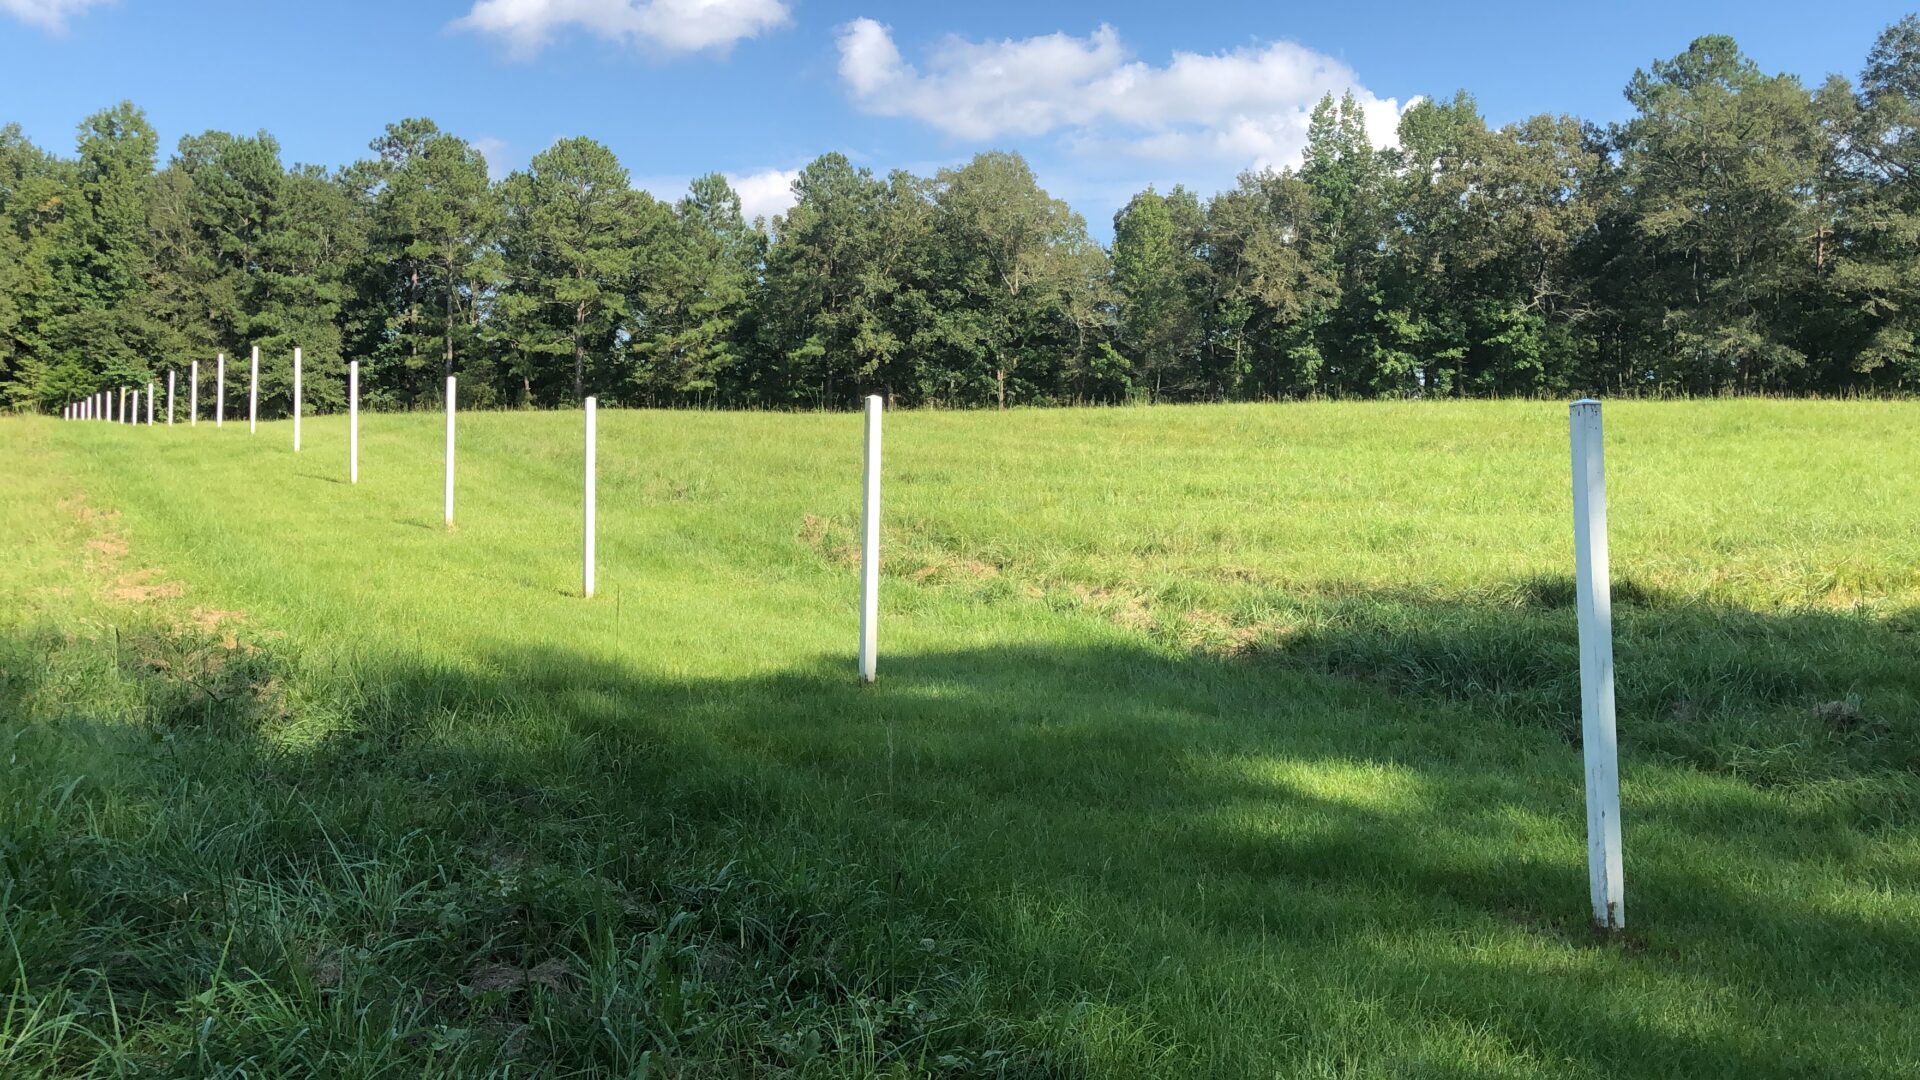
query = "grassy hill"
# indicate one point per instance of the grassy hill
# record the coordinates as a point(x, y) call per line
point(1212, 741)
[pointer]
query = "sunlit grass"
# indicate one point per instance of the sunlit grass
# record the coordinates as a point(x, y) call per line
point(1209, 741)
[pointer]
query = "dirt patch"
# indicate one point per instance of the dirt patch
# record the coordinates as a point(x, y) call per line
point(107, 549)
point(140, 587)
point(328, 971)
point(1127, 609)
point(553, 973)
point(940, 568)
point(1210, 631)
point(830, 539)
point(211, 619)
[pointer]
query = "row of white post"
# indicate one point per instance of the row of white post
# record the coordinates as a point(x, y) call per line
point(1592, 587)
point(105, 405)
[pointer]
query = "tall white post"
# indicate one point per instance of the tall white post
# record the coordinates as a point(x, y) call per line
point(193, 396)
point(120, 408)
point(296, 400)
point(253, 394)
point(449, 500)
point(149, 404)
point(870, 549)
point(353, 422)
point(170, 375)
point(1594, 593)
point(220, 394)
point(593, 410)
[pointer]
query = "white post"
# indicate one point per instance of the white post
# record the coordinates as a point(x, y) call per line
point(253, 394)
point(870, 549)
point(593, 409)
point(170, 375)
point(449, 499)
point(296, 400)
point(193, 395)
point(220, 394)
point(149, 404)
point(120, 407)
point(353, 422)
point(1594, 594)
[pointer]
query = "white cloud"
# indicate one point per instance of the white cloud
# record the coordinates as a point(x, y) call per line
point(671, 26)
point(494, 150)
point(1250, 106)
point(764, 193)
point(48, 14)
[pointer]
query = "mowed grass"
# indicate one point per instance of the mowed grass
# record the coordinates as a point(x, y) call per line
point(1212, 741)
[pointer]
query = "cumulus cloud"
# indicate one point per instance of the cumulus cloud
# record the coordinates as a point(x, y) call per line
point(1248, 105)
point(671, 26)
point(47, 14)
point(494, 150)
point(764, 193)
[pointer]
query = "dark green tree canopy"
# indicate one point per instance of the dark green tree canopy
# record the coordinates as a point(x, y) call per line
point(1740, 232)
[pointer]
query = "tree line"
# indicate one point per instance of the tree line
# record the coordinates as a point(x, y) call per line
point(1739, 233)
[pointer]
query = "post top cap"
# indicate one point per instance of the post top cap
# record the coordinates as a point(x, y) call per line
point(1585, 401)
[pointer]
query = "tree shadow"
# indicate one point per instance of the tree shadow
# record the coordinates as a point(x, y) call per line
point(1085, 859)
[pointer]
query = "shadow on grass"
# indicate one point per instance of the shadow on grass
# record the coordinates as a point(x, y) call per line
point(1104, 859)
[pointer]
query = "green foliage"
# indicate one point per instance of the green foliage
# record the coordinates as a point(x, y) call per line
point(1740, 233)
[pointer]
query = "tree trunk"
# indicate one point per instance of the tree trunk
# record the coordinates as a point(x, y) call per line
point(1000, 377)
point(579, 356)
point(447, 358)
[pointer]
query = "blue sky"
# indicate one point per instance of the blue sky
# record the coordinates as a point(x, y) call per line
point(1102, 98)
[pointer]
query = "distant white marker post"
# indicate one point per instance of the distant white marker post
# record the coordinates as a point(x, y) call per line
point(296, 400)
point(149, 404)
point(586, 585)
point(449, 491)
point(1594, 594)
point(220, 394)
point(870, 549)
point(193, 395)
point(253, 394)
point(170, 375)
point(353, 422)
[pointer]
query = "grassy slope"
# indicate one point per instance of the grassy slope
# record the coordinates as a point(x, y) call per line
point(1209, 741)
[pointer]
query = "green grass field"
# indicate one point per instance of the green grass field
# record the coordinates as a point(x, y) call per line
point(1212, 742)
